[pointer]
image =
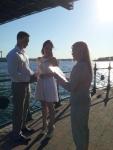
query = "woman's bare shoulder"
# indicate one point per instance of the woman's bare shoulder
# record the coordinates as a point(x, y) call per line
point(39, 59)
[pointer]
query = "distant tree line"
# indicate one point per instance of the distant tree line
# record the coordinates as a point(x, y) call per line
point(105, 59)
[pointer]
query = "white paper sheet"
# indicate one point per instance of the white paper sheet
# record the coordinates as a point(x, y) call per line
point(59, 72)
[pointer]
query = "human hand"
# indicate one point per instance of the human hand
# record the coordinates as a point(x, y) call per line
point(33, 78)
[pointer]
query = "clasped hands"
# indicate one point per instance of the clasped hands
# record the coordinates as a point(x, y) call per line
point(36, 76)
point(33, 78)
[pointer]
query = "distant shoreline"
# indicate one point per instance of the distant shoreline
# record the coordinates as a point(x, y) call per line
point(32, 59)
point(64, 59)
point(3, 59)
point(102, 60)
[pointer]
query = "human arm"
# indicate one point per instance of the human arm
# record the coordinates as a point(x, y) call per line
point(33, 78)
point(77, 76)
point(61, 80)
point(18, 68)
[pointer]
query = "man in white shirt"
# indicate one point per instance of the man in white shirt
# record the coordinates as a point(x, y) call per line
point(21, 75)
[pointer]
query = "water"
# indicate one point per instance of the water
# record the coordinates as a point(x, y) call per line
point(65, 65)
point(5, 89)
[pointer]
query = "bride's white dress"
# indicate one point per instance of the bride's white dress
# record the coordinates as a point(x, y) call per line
point(46, 88)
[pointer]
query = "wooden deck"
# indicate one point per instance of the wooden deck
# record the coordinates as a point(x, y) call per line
point(100, 124)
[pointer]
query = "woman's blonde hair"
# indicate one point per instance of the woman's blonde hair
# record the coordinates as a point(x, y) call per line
point(83, 53)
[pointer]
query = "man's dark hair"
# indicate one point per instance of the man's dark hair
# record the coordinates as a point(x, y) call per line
point(22, 34)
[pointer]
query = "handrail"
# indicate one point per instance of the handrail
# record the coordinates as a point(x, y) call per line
point(94, 88)
point(34, 107)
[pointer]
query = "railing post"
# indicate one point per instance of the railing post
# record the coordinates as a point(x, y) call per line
point(94, 83)
point(0, 54)
point(108, 86)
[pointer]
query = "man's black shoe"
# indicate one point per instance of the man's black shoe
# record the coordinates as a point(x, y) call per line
point(27, 130)
point(57, 104)
point(21, 139)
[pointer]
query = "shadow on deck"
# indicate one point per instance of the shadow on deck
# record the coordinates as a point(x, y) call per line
point(100, 124)
point(37, 139)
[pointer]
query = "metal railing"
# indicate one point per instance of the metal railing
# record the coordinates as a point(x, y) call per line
point(102, 78)
point(97, 79)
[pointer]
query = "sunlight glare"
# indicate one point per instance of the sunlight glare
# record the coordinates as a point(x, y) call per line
point(105, 10)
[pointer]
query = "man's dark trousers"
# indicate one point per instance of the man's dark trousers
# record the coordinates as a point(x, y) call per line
point(21, 94)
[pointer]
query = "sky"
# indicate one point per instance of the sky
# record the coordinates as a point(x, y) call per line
point(90, 21)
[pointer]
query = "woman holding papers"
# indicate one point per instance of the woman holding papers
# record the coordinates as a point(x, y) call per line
point(79, 85)
point(46, 90)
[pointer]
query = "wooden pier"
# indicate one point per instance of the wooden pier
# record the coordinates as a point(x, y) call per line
point(100, 124)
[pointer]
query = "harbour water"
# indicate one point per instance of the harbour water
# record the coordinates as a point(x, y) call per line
point(5, 88)
point(65, 65)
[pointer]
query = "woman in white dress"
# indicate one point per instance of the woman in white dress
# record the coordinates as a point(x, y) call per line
point(46, 90)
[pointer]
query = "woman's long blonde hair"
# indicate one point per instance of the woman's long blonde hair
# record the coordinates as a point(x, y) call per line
point(83, 53)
